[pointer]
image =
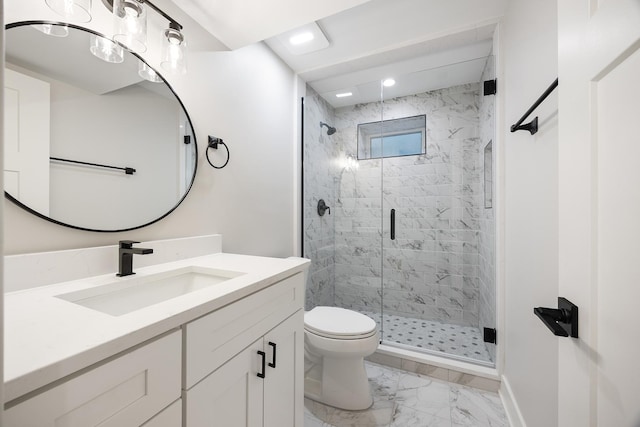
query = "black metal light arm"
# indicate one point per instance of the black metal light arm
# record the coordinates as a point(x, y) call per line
point(161, 12)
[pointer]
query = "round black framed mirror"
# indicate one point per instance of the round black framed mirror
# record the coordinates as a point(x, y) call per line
point(95, 139)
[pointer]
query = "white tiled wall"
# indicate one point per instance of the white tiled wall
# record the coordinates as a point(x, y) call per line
point(319, 151)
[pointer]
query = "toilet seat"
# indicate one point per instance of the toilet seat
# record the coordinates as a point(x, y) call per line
point(339, 323)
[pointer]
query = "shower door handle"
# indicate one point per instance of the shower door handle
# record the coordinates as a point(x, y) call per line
point(393, 224)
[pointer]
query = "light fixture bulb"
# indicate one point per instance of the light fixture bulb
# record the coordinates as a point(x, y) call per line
point(148, 73)
point(73, 10)
point(52, 30)
point(130, 23)
point(301, 38)
point(388, 82)
point(174, 48)
point(106, 49)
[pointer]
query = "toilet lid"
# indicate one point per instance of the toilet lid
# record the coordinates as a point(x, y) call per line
point(338, 322)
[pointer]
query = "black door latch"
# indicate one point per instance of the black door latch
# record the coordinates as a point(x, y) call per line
point(562, 321)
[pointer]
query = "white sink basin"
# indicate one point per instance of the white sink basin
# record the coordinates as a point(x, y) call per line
point(132, 293)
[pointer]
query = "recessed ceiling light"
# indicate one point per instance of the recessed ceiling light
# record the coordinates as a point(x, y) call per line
point(388, 82)
point(343, 94)
point(305, 39)
point(301, 38)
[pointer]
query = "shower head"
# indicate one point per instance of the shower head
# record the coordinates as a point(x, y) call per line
point(330, 129)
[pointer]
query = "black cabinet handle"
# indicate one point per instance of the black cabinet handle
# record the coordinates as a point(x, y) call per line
point(393, 224)
point(264, 359)
point(272, 364)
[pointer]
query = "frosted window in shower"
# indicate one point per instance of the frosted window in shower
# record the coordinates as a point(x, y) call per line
point(392, 138)
point(396, 145)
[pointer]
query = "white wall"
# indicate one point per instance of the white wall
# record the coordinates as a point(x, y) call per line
point(529, 55)
point(244, 97)
point(1, 211)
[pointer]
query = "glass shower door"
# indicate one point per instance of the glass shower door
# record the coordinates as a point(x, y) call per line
point(438, 288)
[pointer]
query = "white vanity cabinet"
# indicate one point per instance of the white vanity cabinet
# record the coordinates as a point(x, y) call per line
point(126, 391)
point(193, 369)
point(244, 363)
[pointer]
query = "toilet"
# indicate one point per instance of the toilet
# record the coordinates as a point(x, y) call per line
point(336, 342)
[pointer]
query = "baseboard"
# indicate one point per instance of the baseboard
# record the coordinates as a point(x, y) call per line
point(510, 404)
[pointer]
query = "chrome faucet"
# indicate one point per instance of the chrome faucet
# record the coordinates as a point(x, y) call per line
point(125, 256)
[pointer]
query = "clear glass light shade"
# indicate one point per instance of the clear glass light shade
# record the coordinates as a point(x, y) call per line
point(53, 30)
point(106, 49)
point(73, 10)
point(130, 24)
point(174, 47)
point(148, 73)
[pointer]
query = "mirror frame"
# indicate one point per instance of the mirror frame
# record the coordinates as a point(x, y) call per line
point(194, 142)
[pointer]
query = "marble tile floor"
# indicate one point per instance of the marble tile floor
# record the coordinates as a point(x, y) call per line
point(404, 399)
point(464, 341)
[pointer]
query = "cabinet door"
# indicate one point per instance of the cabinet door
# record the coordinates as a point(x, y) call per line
point(231, 396)
point(283, 385)
point(169, 417)
point(218, 336)
point(124, 392)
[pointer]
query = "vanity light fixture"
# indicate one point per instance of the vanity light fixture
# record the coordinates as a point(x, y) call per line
point(130, 24)
point(388, 82)
point(344, 94)
point(174, 49)
point(130, 20)
point(106, 49)
point(74, 10)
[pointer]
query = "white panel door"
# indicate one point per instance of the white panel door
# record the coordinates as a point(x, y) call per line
point(26, 139)
point(599, 155)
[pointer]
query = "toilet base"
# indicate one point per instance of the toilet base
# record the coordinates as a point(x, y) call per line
point(344, 384)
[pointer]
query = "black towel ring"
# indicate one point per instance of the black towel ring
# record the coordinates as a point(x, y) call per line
point(213, 143)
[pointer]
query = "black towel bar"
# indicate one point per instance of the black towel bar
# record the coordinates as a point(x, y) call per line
point(127, 170)
point(532, 126)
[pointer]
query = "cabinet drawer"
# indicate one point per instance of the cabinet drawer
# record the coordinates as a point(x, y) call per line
point(126, 391)
point(218, 336)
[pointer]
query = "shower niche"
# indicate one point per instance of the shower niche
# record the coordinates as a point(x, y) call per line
point(430, 288)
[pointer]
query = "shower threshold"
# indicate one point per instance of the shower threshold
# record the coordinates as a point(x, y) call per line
point(463, 343)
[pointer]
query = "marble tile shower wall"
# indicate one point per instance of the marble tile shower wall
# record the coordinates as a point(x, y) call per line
point(431, 269)
point(320, 152)
point(358, 228)
point(486, 235)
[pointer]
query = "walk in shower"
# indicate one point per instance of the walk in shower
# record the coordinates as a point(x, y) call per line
point(406, 235)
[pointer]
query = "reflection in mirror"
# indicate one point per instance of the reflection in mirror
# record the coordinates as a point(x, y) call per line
point(438, 274)
point(90, 143)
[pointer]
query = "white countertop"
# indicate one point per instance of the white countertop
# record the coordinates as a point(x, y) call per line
point(48, 338)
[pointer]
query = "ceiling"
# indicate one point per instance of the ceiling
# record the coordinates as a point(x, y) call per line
point(238, 23)
point(423, 44)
